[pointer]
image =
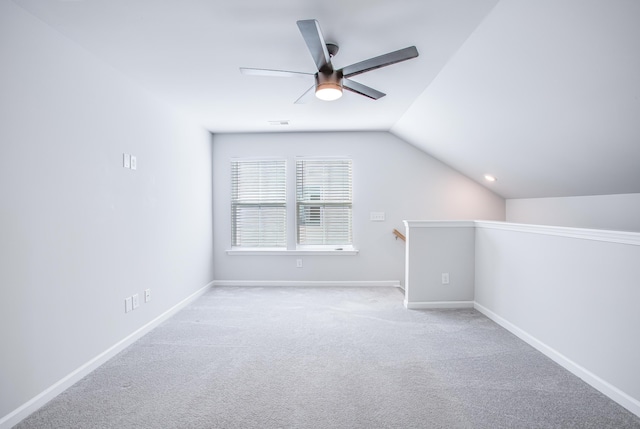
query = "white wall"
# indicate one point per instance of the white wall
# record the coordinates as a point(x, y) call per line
point(573, 294)
point(620, 212)
point(79, 232)
point(389, 176)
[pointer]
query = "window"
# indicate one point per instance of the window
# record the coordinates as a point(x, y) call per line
point(323, 202)
point(258, 203)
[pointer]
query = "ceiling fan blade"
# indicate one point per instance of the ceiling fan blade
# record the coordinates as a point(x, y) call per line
point(306, 96)
point(276, 73)
point(381, 61)
point(361, 89)
point(312, 35)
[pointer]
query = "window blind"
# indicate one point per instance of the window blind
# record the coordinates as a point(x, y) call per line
point(323, 202)
point(258, 203)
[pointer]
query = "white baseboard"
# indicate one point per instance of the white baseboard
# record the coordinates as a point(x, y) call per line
point(437, 304)
point(20, 413)
point(276, 283)
point(606, 388)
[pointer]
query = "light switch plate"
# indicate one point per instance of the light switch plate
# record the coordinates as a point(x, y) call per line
point(376, 216)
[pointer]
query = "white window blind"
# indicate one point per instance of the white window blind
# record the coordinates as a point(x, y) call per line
point(258, 203)
point(323, 201)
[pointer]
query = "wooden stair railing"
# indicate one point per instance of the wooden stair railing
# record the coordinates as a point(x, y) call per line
point(399, 235)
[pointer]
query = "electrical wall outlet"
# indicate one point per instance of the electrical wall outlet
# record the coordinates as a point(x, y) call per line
point(128, 305)
point(445, 278)
point(134, 162)
point(136, 301)
point(126, 160)
point(299, 263)
point(147, 295)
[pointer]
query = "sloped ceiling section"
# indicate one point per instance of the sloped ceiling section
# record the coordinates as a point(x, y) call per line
point(545, 95)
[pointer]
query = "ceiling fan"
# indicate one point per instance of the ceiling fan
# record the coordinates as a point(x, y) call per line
point(329, 82)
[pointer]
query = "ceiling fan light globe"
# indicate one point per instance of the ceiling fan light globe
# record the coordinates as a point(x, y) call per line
point(328, 91)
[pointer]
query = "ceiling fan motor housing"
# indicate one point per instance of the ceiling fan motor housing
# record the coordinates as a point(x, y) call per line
point(329, 79)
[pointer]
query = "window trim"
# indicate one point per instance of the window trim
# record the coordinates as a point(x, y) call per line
point(292, 252)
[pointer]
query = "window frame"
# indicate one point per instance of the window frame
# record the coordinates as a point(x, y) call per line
point(291, 228)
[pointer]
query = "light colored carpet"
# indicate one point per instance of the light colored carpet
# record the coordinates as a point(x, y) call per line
point(328, 358)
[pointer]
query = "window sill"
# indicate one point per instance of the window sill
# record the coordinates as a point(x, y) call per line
point(271, 252)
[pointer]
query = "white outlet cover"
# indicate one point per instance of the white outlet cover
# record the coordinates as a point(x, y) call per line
point(136, 301)
point(134, 162)
point(126, 160)
point(147, 295)
point(128, 305)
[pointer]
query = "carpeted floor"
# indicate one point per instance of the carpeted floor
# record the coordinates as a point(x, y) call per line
point(328, 358)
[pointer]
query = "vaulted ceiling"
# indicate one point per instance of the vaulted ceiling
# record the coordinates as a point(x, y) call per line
point(545, 95)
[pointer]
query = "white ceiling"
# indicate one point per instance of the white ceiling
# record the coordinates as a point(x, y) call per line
point(543, 94)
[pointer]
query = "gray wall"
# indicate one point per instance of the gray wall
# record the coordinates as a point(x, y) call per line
point(434, 248)
point(389, 176)
point(619, 212)
point(79, 232)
